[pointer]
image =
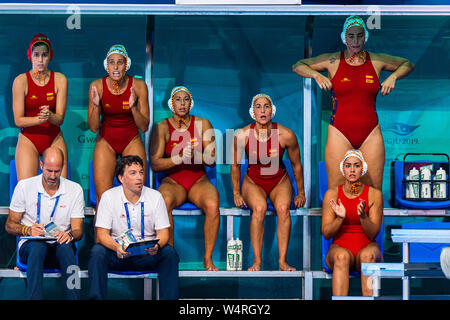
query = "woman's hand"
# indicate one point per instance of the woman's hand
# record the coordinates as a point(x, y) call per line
point(338, 208)
point(388, 85)
point(299, 200)
point(362, 208)
point(133, 98)
point(239, 200)
point(95, 96)
point(323, 82)
point(44, 113)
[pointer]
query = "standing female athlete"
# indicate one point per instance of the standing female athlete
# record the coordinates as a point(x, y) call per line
point(39, 106)
point(353, 78)
point(118, 106)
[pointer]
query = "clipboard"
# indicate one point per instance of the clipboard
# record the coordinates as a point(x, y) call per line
point(38, 238)
point(138, 247)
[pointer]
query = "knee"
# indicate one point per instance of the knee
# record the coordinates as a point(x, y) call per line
point(170, 254)
point(211, 208)
point(37, 251)
point(38, 248)
point(259, 212)
point(368, 256)
point(169, 201)
point(66, 250)
point(283, 212)
point(98, 253)
point(342, 260)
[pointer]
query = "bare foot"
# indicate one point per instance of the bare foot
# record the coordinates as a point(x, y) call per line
point(209, 265)
point(285, 267)
point(255, 267)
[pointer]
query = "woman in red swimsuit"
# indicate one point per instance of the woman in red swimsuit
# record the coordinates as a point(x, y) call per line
point(353, 77)
point(39, 106)
point(118, 106)
point(352, 214)
point(264, 143)
point(182, 145)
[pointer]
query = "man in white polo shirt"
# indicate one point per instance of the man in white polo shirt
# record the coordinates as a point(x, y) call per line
point(36, 202)
point(132, 206)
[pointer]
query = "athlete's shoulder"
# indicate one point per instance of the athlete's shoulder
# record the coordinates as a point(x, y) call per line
point(375, 192)
point(21, 78)
point(59, 76)
point(139, 83)
point(97, 83)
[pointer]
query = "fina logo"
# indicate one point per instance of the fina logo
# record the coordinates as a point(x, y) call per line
point(401, 129)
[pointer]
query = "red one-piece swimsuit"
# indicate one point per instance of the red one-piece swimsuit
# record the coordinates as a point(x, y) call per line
point(263, 172)
point(42, 135)
point(185, 174)
point(354, 93)
point(118, 127)
point(351, 235)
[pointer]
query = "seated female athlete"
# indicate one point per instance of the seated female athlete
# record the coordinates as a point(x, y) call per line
point(352, 215)
point(264, 142)
point(182, 145)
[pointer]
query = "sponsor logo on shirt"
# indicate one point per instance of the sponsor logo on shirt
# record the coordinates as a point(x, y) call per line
point(345, 79)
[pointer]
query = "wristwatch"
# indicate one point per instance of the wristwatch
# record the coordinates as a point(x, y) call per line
point(159, 246)
point(71, 235)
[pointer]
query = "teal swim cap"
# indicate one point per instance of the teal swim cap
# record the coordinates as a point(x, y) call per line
point(351, 22)
point(120, 49)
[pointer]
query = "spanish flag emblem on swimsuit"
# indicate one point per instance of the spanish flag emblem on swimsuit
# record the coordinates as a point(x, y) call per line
point(369, 79)
point(273, 153)
point(125, 105)
point(50, 96)
point(194, 142)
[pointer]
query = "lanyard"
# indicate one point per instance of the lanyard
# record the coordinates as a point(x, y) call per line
point(39, 208)
point(142, 218)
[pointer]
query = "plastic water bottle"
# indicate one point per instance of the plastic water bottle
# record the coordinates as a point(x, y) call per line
point(425, 174)
point(440, 189)
point(238, 255)
point(407, 188)
point(231, 255)
point(413, 186)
